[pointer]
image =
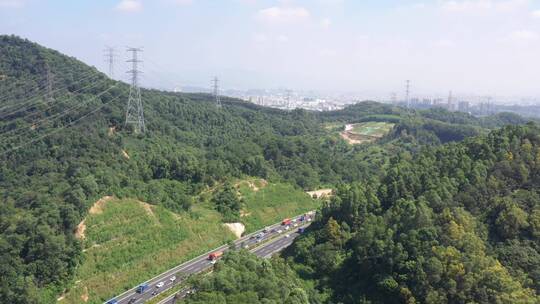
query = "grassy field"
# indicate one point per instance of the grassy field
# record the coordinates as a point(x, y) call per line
point(266, 204)
point(375, 129)
point(129, 242)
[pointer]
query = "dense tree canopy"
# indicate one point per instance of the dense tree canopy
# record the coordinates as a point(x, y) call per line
point(62, 151)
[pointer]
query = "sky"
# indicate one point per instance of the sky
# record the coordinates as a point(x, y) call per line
point(483, 47)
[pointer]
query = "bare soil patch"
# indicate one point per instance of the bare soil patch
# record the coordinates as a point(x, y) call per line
point(84, 296)
point(254, 185)
point(236, 228)
point(148, 208)
point(79, 231)
point(321, 193)
point(111, 132)
point(98, 206)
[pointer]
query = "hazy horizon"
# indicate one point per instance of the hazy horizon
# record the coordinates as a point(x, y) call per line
point(481, 47)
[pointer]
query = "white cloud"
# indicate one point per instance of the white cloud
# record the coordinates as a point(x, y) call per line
point(129, 6)
point(12, 3)
point(182, 2)
point(524, 35)
point(444, 43)
point(283, 14)
point(536, 14)
point(282, 38)
point(260, 38)
point(326, 23)
point(478, 6)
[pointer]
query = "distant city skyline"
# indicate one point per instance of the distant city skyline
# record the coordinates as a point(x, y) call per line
point(472, 47)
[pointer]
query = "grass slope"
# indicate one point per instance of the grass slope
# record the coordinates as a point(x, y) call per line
point(269, 203)
point(130, 241)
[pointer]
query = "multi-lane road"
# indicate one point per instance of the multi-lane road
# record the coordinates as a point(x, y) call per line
point(263, 243)
point(265, 250)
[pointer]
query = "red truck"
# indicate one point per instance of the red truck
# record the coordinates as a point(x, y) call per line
point(215, 255)
point(286, 221)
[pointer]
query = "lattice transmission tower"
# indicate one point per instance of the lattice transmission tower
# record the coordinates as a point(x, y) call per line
point(109, 54)
point(134, 110)
point(408, 93)
point(215, 87)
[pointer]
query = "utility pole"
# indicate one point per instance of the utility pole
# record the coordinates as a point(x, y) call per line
point(215, 86)
point(109, 58)
point(407, 93)
point(49, 78)
point(134, 110)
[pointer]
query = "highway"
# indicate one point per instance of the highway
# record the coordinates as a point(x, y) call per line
point(266, 248)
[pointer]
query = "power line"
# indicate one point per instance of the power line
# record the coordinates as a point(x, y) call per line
point(30, 101)
point(215, 86)
point(59, 129)
point(134, 109)
point(57, 115)
point(49, 96)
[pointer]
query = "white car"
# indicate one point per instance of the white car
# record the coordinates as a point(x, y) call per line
point(160, 284)
point(295, 225)
point(287, 235)
point(287, 227)
point(279, 231)
point(173, 278)
point(309, 219)
point(213, 262)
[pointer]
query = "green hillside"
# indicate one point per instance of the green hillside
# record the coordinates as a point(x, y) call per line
point(63, 150)
point(457, 223)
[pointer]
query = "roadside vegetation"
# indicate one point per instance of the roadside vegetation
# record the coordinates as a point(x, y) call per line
point(127, 242)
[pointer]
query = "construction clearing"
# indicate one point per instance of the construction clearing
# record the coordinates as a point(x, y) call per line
point(365, 132)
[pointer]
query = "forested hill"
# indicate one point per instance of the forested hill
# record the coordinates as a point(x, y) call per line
point(457, 223)
point(63, 149)
point(454, 224)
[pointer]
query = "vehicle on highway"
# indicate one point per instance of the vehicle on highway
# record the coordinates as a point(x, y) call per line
point(142, 288)
point(172, 279)
point(132, 300)
point(260, 235)
point(287, 227)
point(295, 225)
point(302, 218)
point(301, 230)
point(160, 284)
point(215, 255)
point(265, 230)
point(287, 235)
point(279, 231)
point(112, 301)
point(285, 222)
